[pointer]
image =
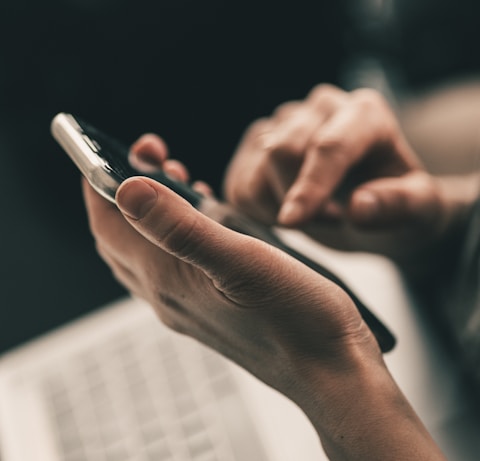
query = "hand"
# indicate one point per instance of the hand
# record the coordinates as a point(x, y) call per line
point(290, 327)
point(338, 166)
point(217, 285)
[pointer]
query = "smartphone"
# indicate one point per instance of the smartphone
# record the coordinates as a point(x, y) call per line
point(104, 162)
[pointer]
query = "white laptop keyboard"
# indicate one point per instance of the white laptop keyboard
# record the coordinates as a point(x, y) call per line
point(145, 396)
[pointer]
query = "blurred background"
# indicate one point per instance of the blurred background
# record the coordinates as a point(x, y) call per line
point(197, 73)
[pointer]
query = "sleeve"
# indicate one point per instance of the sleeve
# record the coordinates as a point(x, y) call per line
point(462, 309)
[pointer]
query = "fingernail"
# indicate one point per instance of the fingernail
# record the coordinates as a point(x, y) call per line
point(136, 198)
point(290, 213)
point(367, 205)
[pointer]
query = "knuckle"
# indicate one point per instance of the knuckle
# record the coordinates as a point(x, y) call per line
point(369, 99)
point(292, 144)
point(374, 109)
point(333, 150)
point(323, 92)
point(256, 132)
point(250, 283)
point(303, 194)
point(289, 144)
point(286, 110)
point(331, 146)
point(293, 133)
point(258, 127)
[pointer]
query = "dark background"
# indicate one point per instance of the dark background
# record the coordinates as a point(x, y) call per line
point(195, 72)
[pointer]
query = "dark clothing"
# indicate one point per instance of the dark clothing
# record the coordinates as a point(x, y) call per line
point(462, 309)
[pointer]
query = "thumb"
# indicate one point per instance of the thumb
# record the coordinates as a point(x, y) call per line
point(175, 226)
point(388, 202)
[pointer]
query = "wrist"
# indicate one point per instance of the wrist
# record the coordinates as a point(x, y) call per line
point(360, 413)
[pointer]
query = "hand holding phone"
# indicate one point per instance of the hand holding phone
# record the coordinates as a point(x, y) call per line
point(104, 163)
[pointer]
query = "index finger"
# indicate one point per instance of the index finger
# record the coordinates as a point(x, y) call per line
point(339, 144)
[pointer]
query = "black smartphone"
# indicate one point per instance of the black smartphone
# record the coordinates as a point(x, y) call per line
point(104, 163)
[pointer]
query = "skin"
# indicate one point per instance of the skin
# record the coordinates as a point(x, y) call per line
point(294, 330)
point(287, 325)
point(337, 166)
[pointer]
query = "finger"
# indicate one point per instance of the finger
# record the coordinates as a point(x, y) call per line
point(203, 188)
point(238, 268)
point(287, 145)
point(251, 148)
point(176, 170)
point(246, 185)
point(326, 96)
point(148, 153)
point(294, 123)
point(129, 254)
point(391, 202)
point(293, 126)
point(254, 194)
point(293, 133)
point(347, 136)
point(171, 223)
point(167, 220)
